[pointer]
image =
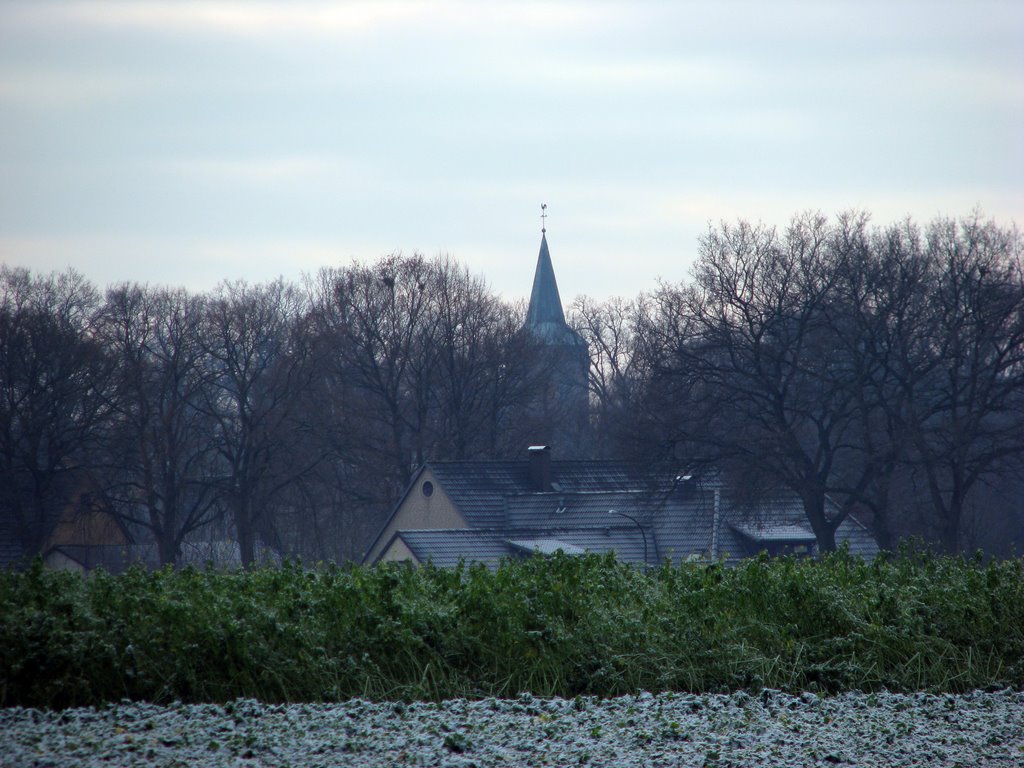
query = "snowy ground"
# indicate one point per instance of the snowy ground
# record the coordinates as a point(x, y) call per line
point(768, 728)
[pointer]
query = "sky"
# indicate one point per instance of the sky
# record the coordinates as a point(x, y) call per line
point(184, 143)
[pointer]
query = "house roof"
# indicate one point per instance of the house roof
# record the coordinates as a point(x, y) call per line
point(766, 532)
point(447, 547)
point(545, 546)
point(491, 494)
point(587, 508)
point(674, 517)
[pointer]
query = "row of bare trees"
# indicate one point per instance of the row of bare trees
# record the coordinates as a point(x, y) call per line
point(879, 368)
point(288, 416)
point(876, 367)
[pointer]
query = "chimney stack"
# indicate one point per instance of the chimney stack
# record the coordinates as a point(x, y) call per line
point(540, 467)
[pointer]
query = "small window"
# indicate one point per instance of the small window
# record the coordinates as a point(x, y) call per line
point(428, 488)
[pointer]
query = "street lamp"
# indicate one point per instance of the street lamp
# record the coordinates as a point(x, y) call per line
point(637, 524)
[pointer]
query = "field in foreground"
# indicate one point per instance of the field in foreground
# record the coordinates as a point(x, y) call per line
point(768, 728)
point(552, 627)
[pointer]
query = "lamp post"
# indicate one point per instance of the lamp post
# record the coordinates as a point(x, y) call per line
point(637, 524)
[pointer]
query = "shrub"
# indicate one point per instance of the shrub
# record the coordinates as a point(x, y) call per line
point(559, 626)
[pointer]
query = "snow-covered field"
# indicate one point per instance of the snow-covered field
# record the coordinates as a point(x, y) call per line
point(740, 729)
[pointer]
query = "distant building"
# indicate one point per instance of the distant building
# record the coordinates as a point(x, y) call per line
point(558, 413)
point(78, 534)
point(484, 511)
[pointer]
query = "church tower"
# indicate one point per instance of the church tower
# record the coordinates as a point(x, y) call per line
point(559, 414)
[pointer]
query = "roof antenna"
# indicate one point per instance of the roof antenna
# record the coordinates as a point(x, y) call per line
point(543, 216)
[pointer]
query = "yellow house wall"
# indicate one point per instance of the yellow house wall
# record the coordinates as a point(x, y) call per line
point(92, 527)
point(61, 562)
point(397, 552)
point(419, 512)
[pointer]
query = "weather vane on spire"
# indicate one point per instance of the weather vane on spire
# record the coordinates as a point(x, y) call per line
point(543, 216)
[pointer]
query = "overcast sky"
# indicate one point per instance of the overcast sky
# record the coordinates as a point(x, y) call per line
point(188, 142)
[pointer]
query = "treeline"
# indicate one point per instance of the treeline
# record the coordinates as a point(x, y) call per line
point(563, 626)
point(880, 367)
point(288, 416)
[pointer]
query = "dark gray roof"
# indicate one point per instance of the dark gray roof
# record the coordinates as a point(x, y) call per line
point(857, 536)
point(588, 509)
point(685, 524)
point(446, 547)
point(781, 531)
point(626, 541)
point(544, 545)
point(480, 489)
point(677, 519)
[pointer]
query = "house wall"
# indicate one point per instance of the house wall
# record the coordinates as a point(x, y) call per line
point(397, 552)
point(91, 528)
point(61, 562)
point(417, 511)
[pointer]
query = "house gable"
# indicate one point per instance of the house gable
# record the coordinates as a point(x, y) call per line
point(90, 526)
point(426, 505)
point(398, 551)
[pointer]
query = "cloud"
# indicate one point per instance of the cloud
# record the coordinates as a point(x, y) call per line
point(44, 89)
point(264, 19)
point(267, 170)
point(195, 263)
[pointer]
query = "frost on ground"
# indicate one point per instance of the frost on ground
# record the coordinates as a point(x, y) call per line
point(766, 728)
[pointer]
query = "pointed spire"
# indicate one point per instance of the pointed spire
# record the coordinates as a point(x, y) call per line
point(545, 303)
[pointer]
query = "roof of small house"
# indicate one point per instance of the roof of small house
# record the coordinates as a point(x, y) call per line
point(77, 517)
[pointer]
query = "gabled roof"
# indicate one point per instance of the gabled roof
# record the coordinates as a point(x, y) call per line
point(675, 517)
point(446, 547)
point(480, 489)
point(587, 509)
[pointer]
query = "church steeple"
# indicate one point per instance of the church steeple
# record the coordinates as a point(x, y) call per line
point(559, 364)
point(545, 303)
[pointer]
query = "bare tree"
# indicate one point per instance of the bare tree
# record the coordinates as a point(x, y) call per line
point(260, 364)
point(378, 317)
point(161, 457)
point(879, 316)
point(964, 377)
point(768, 388)
point(620, 341)
point(53, 393)
point(476, 341)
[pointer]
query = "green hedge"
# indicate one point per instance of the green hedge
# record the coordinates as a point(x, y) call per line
point(560, 626)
